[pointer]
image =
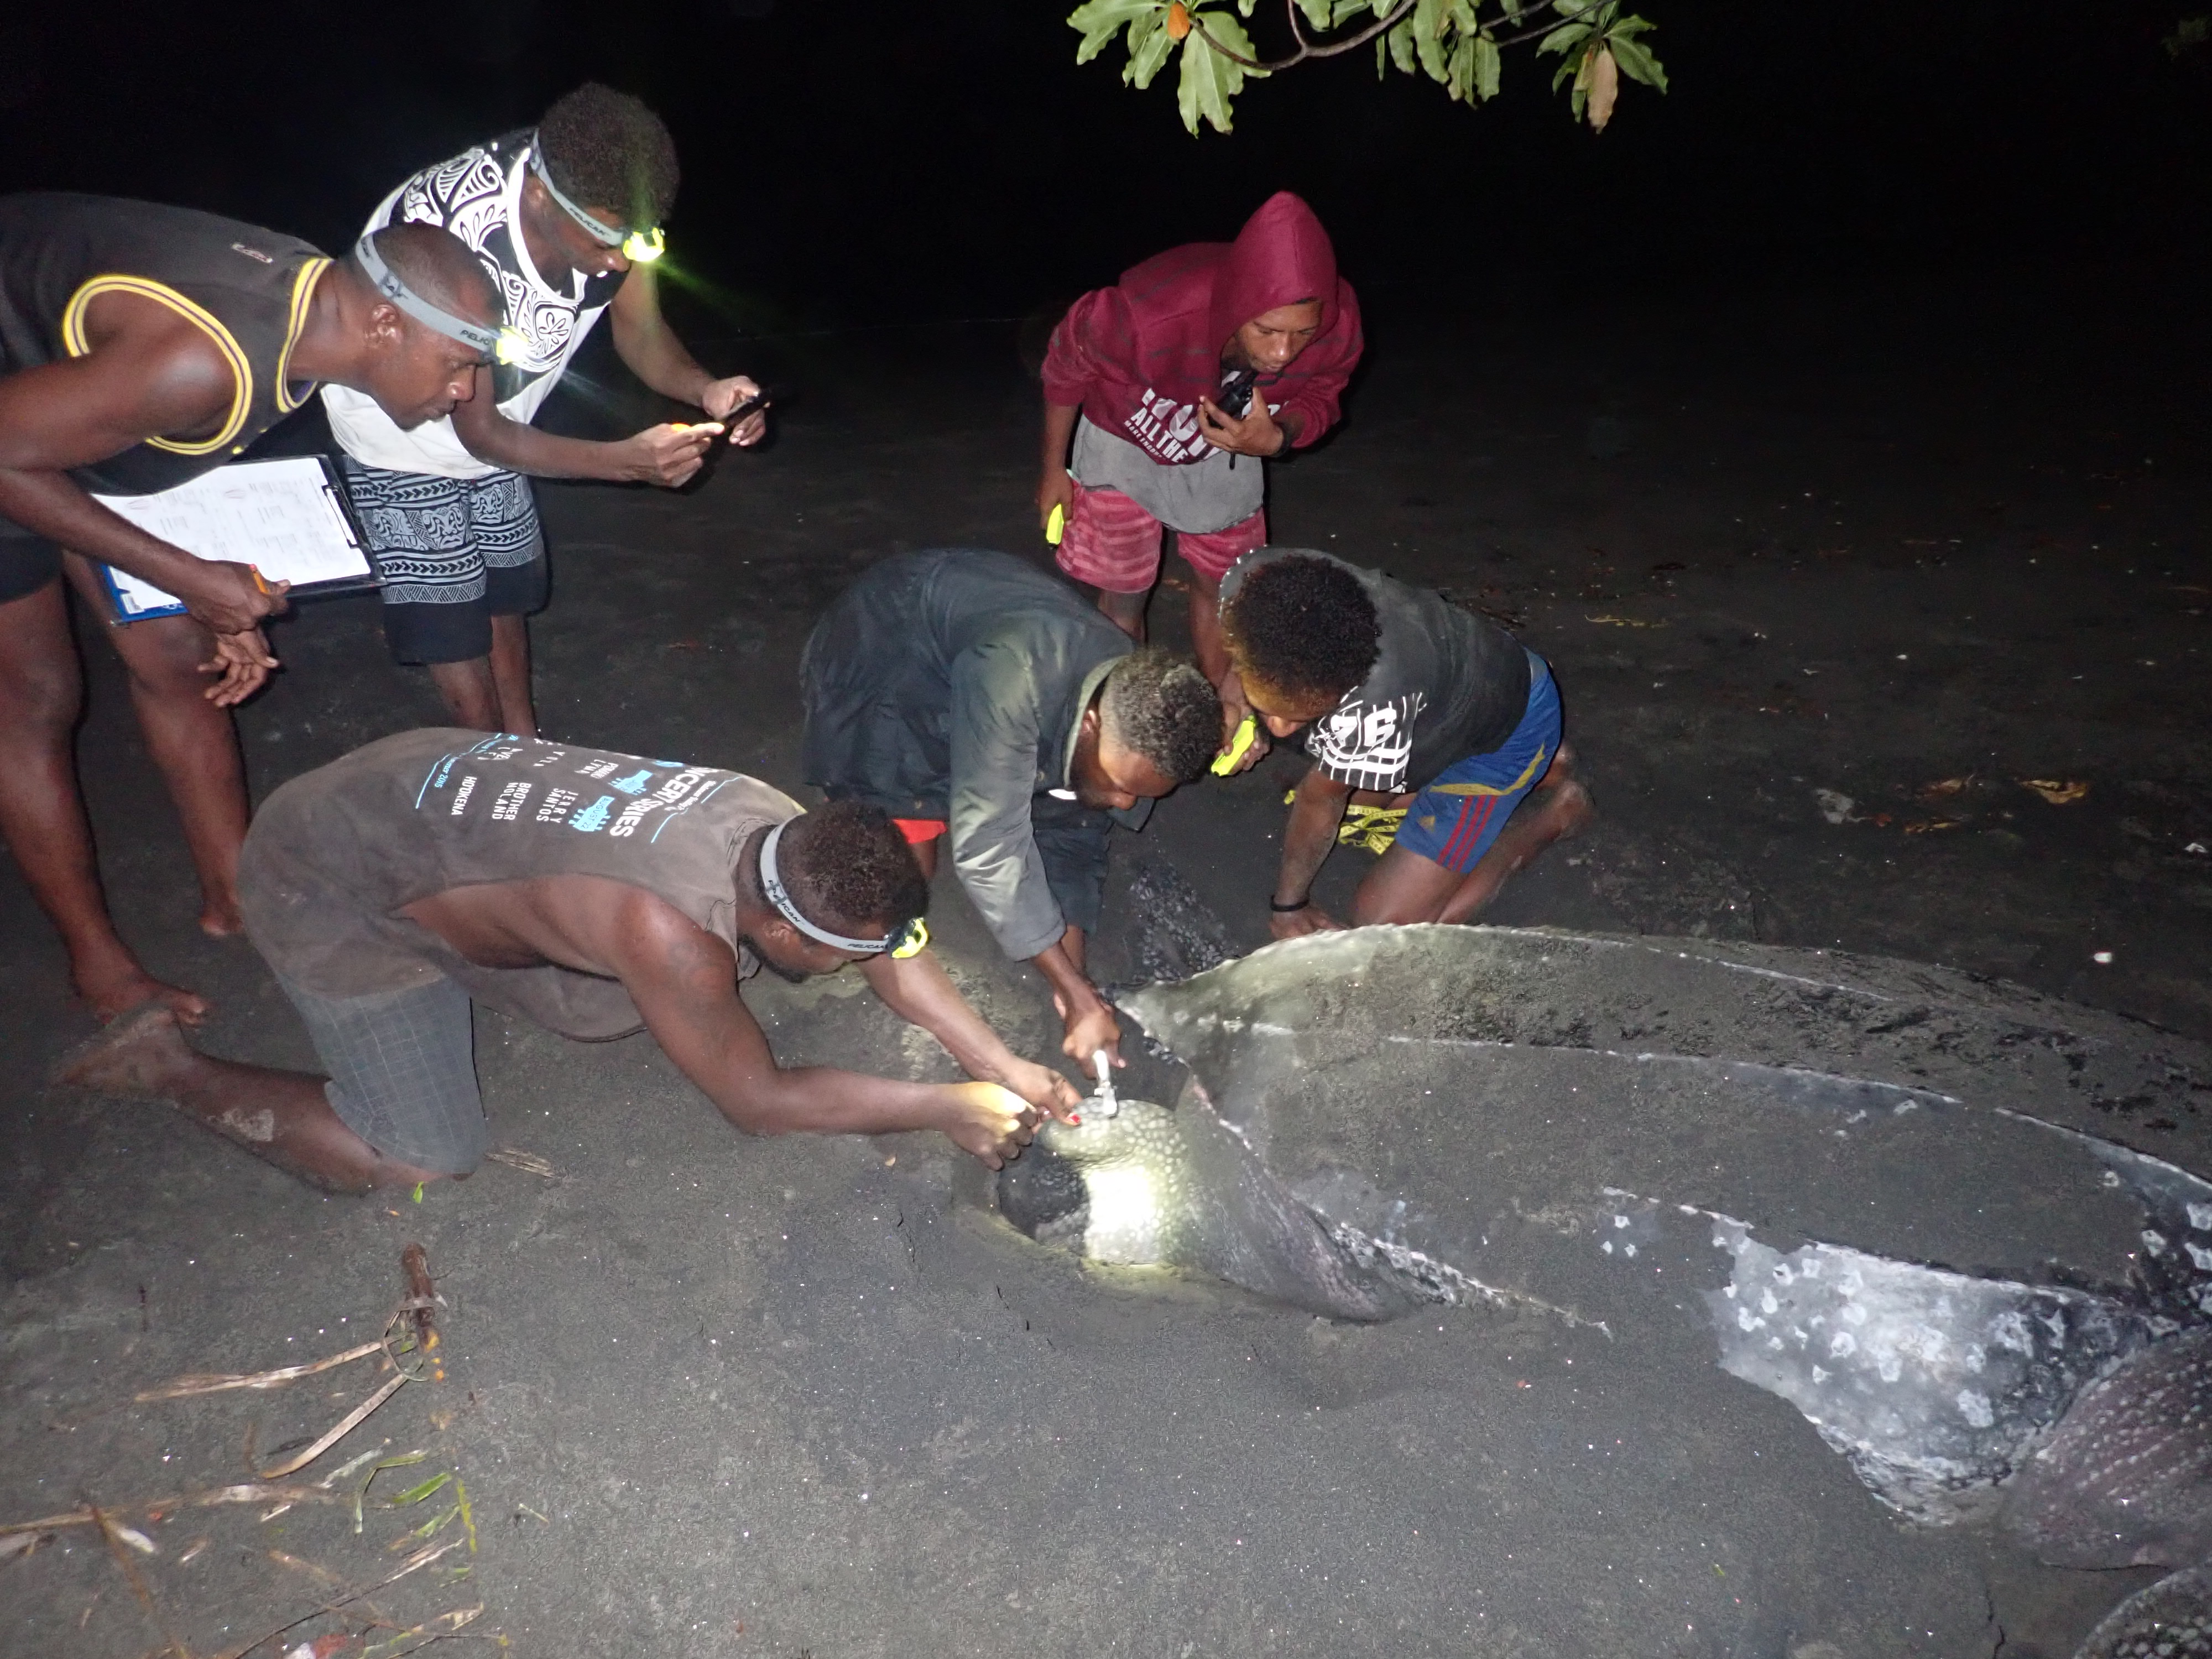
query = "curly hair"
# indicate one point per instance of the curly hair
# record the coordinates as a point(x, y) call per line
point(1304, 628)
point(850, 870)
point(607, 149)
point(1161, 706)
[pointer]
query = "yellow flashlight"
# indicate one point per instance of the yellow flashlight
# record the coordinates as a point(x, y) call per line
point(1243, 741)
point(642, 247)
point(916, 940)
point(1055, 526)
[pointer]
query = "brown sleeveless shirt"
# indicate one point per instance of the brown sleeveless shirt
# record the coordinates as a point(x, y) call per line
point(334, 854)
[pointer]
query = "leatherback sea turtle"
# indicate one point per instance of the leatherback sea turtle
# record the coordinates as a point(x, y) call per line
point(1895, 1196)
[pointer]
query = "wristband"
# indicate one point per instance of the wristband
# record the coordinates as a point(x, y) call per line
point(1286, 909)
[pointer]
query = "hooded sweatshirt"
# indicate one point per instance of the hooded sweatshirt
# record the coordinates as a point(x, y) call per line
point(1138, 355)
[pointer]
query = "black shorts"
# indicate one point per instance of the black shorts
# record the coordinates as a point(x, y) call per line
point(451, 554)
point(27, 562)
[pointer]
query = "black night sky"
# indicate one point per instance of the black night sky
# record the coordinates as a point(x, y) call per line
point(871, 163)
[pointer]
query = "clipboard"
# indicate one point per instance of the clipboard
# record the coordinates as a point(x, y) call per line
point(288, 517)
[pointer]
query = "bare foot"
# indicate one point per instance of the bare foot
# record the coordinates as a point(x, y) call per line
point(1570, 807)
point(138, 1054)
point(220, 917)
point(116, 984)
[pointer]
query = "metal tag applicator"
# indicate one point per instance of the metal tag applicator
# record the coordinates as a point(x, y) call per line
point(1103, 1100)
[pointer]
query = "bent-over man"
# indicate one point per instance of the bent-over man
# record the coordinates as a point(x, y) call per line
point(592, 893)
point(141, 346)
point(967, 693)
point(1437, 730)
point(566, 217)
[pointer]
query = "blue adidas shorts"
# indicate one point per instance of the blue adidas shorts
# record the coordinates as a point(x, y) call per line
point(1455, 819)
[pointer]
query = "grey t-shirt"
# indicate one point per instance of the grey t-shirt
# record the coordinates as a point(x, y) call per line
point(1199, 496)
point(1447, 684)
point(335, 853)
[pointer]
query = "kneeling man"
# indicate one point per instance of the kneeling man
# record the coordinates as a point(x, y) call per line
point(963, 690)
point(1437, 730)
point(591, 892)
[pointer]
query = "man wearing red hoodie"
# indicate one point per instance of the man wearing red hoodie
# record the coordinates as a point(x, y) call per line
point(1175, 385)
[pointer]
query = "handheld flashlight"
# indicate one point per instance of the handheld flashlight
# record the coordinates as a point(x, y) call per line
point(1055, 526)
point(1224, 764)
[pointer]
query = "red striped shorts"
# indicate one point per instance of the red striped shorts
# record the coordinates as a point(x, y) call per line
point(1113, 544)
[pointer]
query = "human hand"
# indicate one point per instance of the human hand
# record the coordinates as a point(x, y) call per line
point(720, 397)
point(1054, 488)
point(1043, 1088)
point(1235, 711)
point(1296, 924)
point(1090, 1028)
point(227, 597)
point(990, 1121)
point(667, 455)
point(243, 662)
point(1254, 433)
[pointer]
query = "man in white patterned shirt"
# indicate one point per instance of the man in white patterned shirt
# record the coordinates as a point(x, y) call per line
point(566, 215)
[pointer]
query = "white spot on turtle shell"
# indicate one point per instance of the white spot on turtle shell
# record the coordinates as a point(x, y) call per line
point(1855, 1314)
point(2154, 1242)
point(1747, 1320)
point(2197, 1252)
point(2200, 1218)
point(1975, 1409)
point(1628, 1250)
point(1887, 1364)
point(1843, 1345)
point(1767, 1303)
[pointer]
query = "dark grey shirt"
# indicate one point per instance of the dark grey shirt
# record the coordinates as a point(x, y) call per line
point(949, 685)
point(1447, 684)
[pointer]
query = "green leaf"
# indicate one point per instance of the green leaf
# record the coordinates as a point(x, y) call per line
point(1486, 66)
point(1565, 38)
point(1245, 7)
point(1637, 62)
point(1428, 21)
point(1317, 13)
point(1460, 85)
point(1149, 47)
point(1382, 57)
point(1100, 21)
point(1463, 17)
point(416, 1494)
point(1402, 50)
point(1346, 10)
point(1210, 81)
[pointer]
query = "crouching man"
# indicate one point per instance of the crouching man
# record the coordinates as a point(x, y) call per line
point(981, 700)
point(1436, 737)
point(590, 892)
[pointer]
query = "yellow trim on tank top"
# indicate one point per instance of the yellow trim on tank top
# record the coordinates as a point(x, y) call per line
point(1529, 773)
point(303, 294)
point(241, 370)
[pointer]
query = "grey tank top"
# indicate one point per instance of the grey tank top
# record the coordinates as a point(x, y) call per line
point(335, 854)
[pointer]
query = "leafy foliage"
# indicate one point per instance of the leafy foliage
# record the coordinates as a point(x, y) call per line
point(1456, 43)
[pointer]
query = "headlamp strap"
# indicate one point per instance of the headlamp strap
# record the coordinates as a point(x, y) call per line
point(492, 342)
point(773, 886)
point(601, 232)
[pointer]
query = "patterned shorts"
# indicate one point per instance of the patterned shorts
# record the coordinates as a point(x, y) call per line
point(1113, 544)
point(1458, 818)
point(452, 554)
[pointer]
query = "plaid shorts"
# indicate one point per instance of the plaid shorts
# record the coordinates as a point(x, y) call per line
point(1113, 544)
point(452, 554)
point(403, 1070)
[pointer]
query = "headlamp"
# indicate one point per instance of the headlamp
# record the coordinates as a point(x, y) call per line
point(902, 942)
point(502, 344)
point(640, 248)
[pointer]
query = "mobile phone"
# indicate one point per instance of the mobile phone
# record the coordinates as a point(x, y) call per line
point(738, 417)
